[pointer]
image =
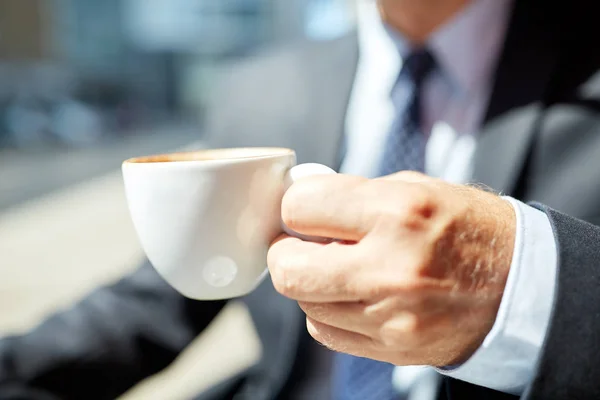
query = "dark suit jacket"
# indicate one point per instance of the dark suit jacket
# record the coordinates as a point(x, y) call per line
point(540, 142)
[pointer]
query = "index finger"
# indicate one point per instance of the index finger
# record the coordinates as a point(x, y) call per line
point(330, 206)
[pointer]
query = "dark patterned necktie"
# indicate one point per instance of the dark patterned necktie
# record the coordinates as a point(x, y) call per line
point(358, 378)
point(405, 146)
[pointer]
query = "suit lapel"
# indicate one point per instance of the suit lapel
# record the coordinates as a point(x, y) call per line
point(529, 57)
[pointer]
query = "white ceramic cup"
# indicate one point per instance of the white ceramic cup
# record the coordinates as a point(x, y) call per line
point(205, 219)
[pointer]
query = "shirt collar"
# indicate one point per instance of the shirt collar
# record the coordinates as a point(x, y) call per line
point(466, 47)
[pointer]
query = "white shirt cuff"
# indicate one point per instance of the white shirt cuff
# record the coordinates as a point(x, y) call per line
point(506, 360)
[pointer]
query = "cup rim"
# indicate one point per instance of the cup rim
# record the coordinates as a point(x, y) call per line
point(193, 156)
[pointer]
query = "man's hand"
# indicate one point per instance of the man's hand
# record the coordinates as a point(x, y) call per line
point(416, 274)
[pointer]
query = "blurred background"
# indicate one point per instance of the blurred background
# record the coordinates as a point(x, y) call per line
point(85, 84)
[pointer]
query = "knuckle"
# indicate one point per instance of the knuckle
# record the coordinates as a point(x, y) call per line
point(410, 270)
point(288, 287)
point(421, 202)
point(377, 312)
point(284, 284)
point(412, 206)
point(404, 329)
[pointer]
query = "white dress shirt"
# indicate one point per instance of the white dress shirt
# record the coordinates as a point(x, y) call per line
point(454, 101)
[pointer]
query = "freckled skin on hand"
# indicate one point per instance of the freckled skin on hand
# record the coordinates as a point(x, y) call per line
point(416, 274)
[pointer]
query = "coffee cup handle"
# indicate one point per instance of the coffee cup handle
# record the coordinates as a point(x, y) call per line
point(294, 174)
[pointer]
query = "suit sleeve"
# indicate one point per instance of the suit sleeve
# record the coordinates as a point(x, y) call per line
point(569, 363)
point(105, 344)
point(507, 358)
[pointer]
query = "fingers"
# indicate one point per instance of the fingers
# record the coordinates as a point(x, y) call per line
point(340, 340)
point(315, 272)
point(393, 321)
point(355, 344)
point(348, 207)
point(345, 316)
point(332, 206)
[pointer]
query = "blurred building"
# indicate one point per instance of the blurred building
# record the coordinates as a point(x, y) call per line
point(24, 30)
point(101, 66)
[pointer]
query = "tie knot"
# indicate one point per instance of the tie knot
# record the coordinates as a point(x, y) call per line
point(418, 65)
